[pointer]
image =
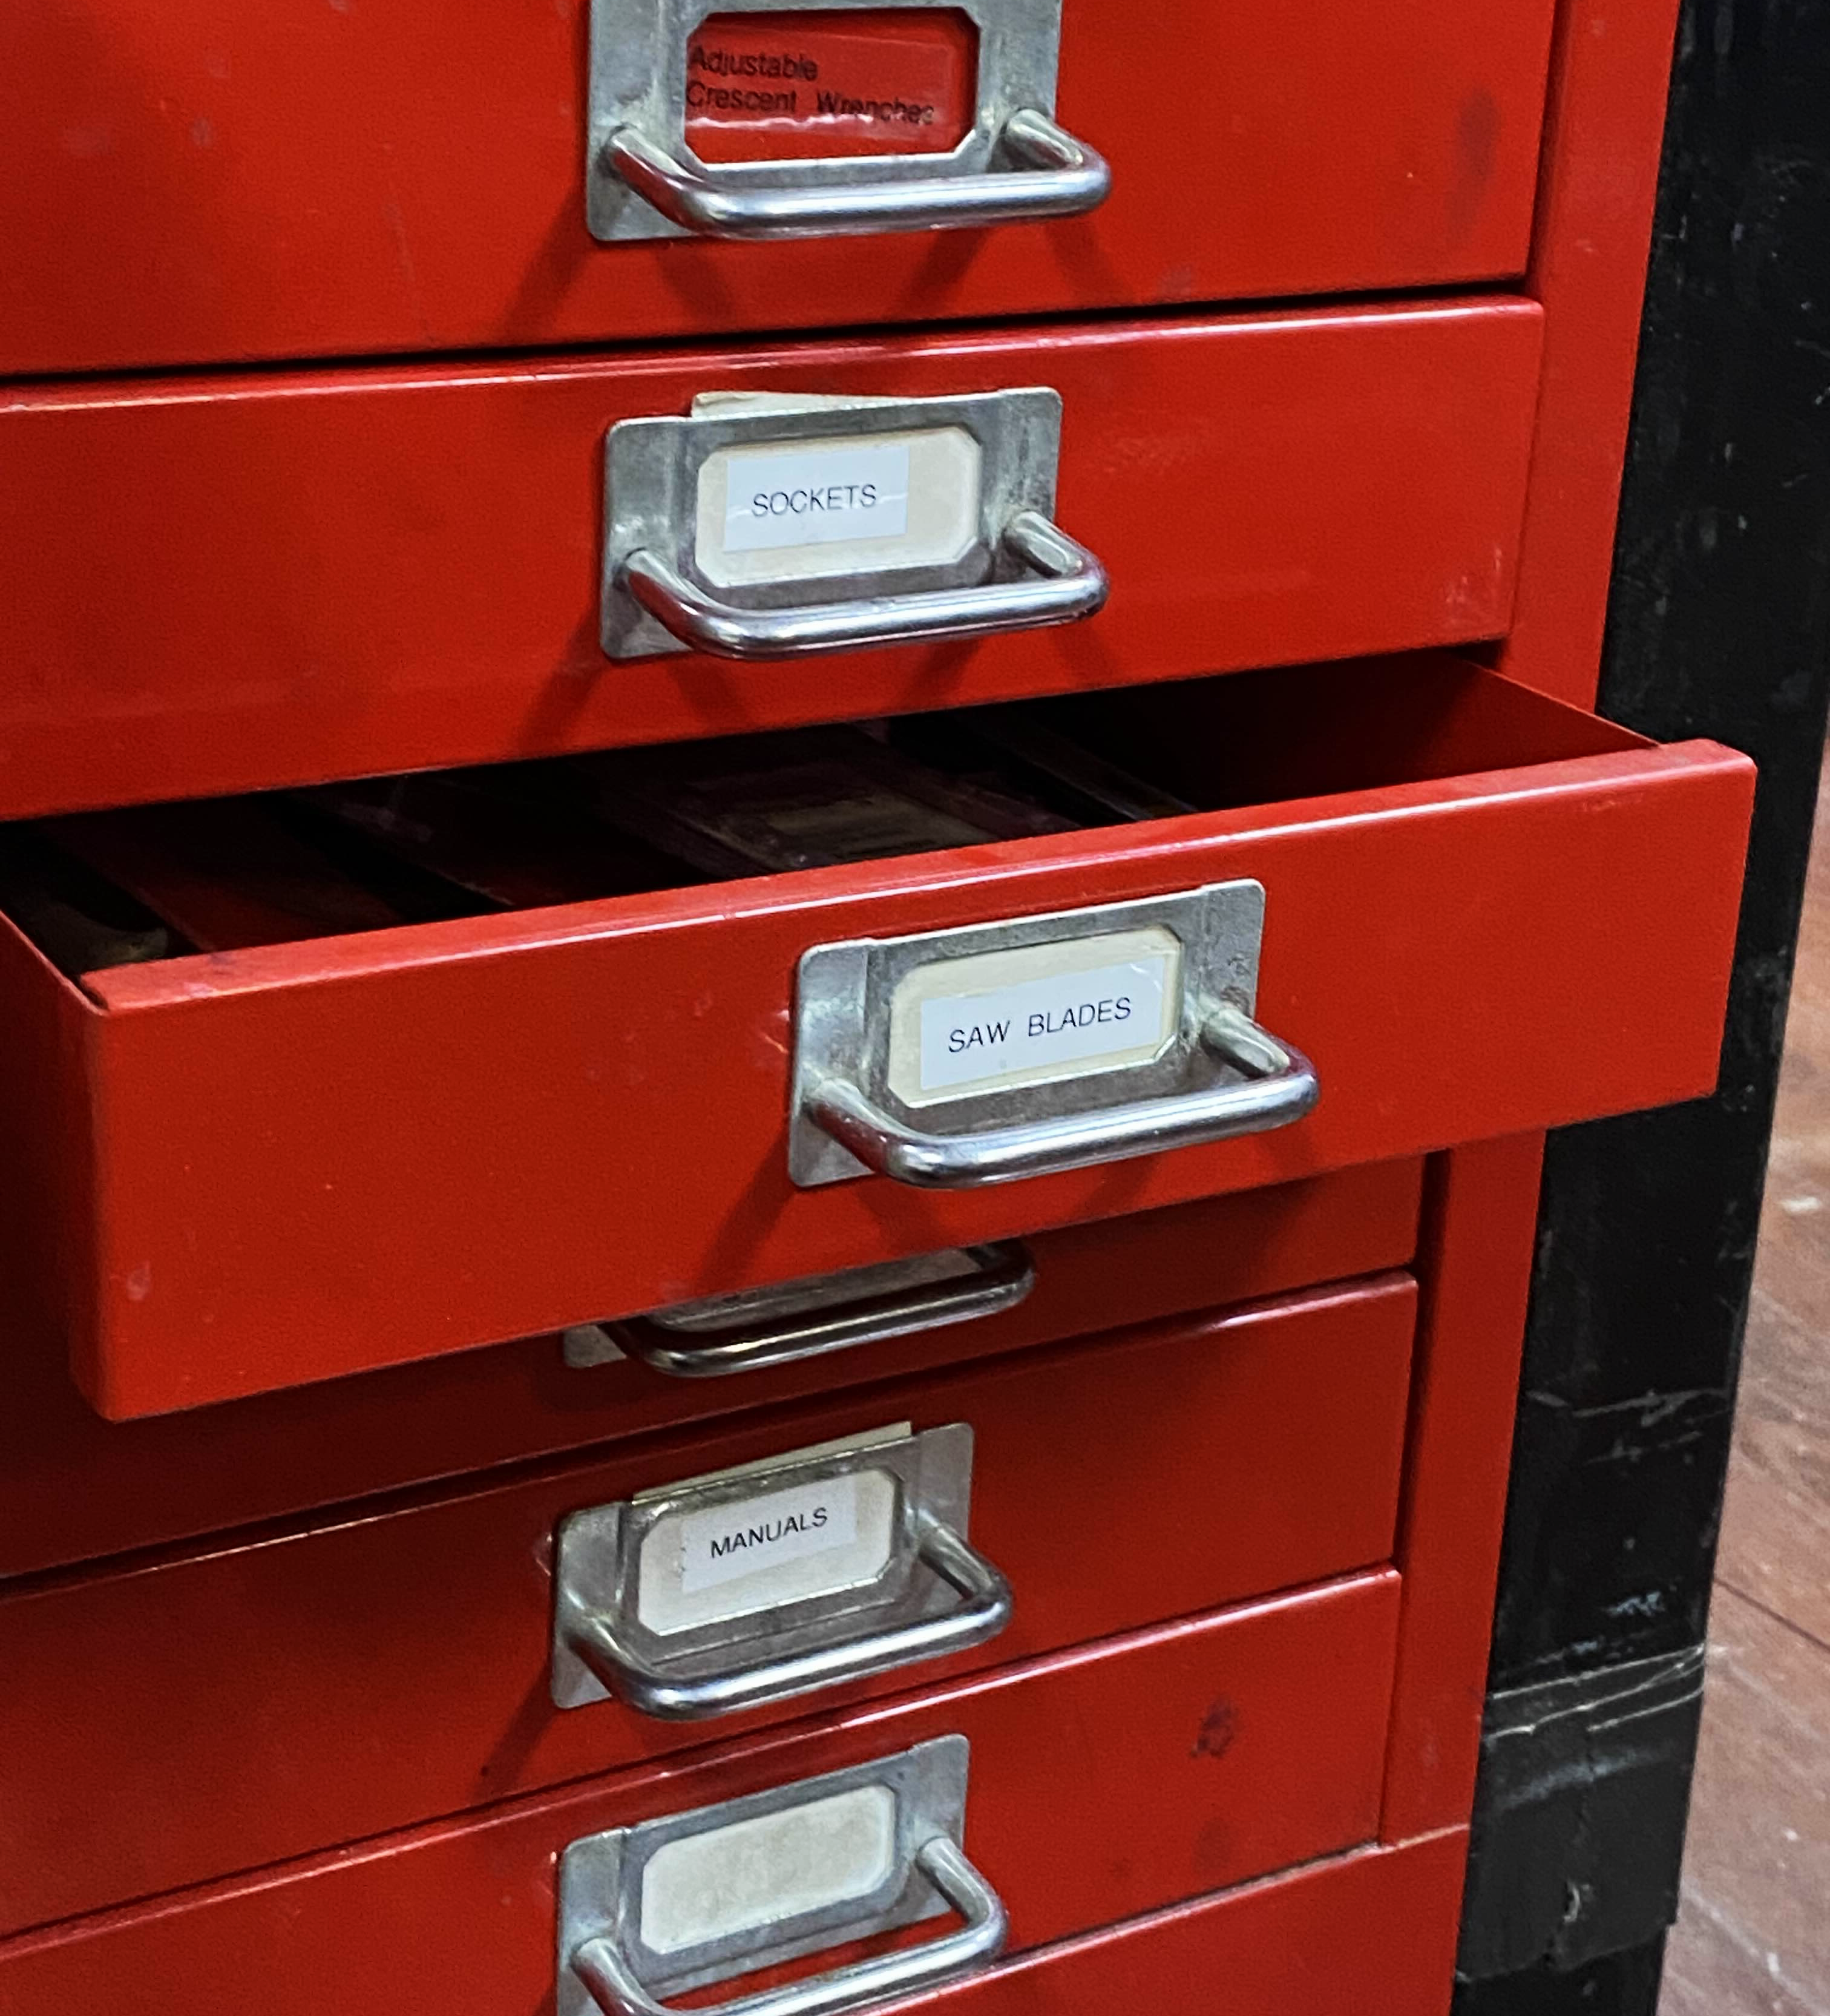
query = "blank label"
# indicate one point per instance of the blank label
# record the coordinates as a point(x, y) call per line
point(764, 1871)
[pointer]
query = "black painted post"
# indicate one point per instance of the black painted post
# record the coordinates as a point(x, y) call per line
point(1719, 625)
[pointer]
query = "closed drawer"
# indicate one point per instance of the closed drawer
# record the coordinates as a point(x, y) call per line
point(1483, 913)
point(215, 186)
point(1102, 1784)
point(73, 1487)
point(364, 1674)
point(347, 573)
point(225, 587)
point(1372, 1934)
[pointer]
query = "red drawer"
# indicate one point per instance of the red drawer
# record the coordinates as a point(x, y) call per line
point(1372, 1934)
point(73, 1487)
point(222, 588)
point(1103, 1783)
point(1486, 913)
point(199, 183)
point(315, 1687)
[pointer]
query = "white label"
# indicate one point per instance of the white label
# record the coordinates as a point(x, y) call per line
point(760, 1872)
point(816, 497)
point(752, 1535)
point(1042, 1024)
point(844, 504)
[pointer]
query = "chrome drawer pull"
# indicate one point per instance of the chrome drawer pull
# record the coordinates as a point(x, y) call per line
point(616, 1991)
point(752, 1331)
point(1064, 584)
point(1025, 1047)
point(1055, 175)
point(985, 1610)
point(690, 1900)
point(1280, 1087)
point(730, 1592)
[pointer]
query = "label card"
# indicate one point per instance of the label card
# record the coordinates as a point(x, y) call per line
point(843, 506)
point(971, 1037)
point(816, 497)
point(1034, 1015)
point(775, 1867)
point(750, 1535)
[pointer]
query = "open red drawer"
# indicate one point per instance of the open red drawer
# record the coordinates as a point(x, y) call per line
point(205, 184)
point(342, 573)
point(1100, 1783)
point(1483, 912)
point(367, 1672)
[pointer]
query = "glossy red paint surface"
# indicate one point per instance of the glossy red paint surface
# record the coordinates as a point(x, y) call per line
point(73, 1487)
point(1372, 1934)
point(1480, 1233)
point(194, 183)
point(300, 1161)
point(321, 1685)
point(1105, 1783)
point(1594, 217)
point(216, 587)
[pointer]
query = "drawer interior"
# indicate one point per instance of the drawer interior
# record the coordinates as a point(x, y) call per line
point(95, 891)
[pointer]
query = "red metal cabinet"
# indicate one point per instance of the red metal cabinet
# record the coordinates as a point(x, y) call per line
point(231, 1177)
point(222, 585)
point(1486, 912)
point(348, 1677)
point(1104, 1783)
point(198, 184)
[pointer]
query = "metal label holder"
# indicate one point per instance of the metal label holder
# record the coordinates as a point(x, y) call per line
point(601, 1876)
point(906, 1611)
point(638, 86)
point(651, 495)
point(844, 992)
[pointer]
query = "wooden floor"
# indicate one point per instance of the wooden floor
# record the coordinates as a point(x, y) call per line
point(1753, 1938)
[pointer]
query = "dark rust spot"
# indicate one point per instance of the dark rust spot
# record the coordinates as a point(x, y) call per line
point(1219, 1726)
point(1477, 146)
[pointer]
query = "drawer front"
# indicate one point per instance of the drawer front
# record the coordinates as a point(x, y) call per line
point(1252, 1740)
point(305, 182)
point(304, 578)
point(73, 1487)
point(322, 1686)
point(1372, 1934)
point(257, 1167)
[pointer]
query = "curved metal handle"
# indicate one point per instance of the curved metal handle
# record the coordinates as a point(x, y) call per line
point(1065, 584)
point(999, 1277)
point(1057, 176)
point(594, 1637)
point(1281, 1086)
point(599, 1963)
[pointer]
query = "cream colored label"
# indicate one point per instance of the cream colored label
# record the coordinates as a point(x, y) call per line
point(816, 497)
point(704, 1565)
point(767, 1870)
point(787, 511)
point(996, 1020)
point(726, 1542)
